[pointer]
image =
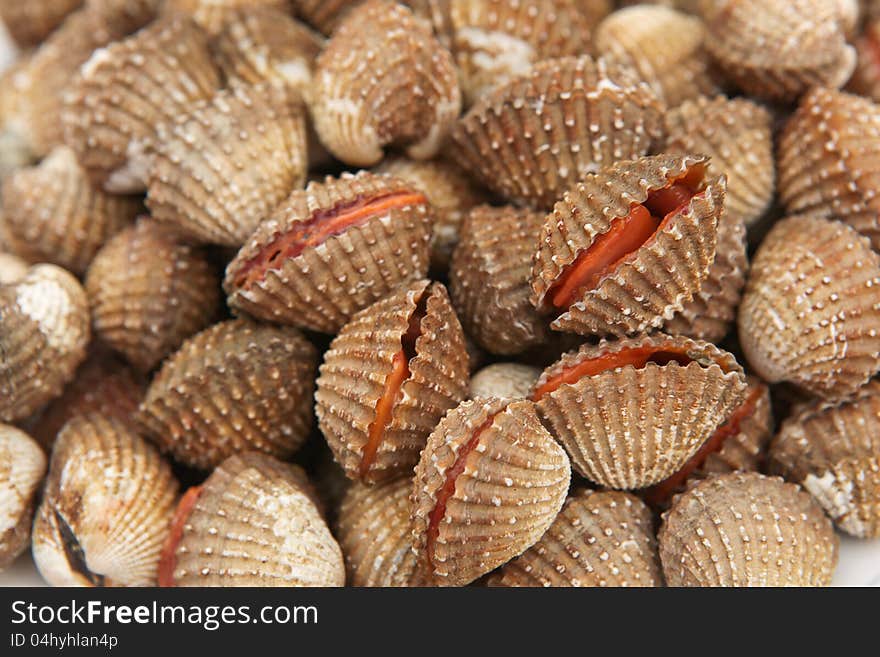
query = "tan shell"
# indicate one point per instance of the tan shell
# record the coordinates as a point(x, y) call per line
point(630, 427)
point(654, 282)
point(124, 91)
point(106, 509)
point(304, 290)
point(745, 529)
point(125, 16)
point(53, 214)
point(598, 539)
point(531, 139)
point(253, 524)
point(22, 466)
point(12, 268)
point(811, 307)
point(383, 80)
point(149, 292)
point(865, 80)
point(31, 21)
point(489, 279)
point(233, 387)
point(504, 380)
point(833, 451)
point(356, 371)
point(213, 15)
point(512, 482)
point(44, 332)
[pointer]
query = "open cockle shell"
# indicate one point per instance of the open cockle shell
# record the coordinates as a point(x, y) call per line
point(31, 21)
point(504, 380)
point(22, 466)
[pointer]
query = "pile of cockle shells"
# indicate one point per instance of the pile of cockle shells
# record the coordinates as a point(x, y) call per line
point(439, 293)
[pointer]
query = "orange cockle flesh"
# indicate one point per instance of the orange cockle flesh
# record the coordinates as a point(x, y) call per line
point(168, 559)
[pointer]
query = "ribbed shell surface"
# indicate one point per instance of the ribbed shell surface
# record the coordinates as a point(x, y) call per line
point(504, 380)
point(323, 15)
point(22, 466)
point(31, 21)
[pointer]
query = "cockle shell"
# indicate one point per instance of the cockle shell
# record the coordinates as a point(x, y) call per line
point(811, 307)
point(233, 387)
point(383, 80)
point(12, 267)
point(53, 214)
point(44, 332)
point(125, 16)
point(214, 15)
point(31, 21)
point(633, 423)
point(745, 529)
point(598, 539)
point(489, 484)
point(833, 451)
point(22, 466)
point(531, 139)
point(252, 523)
point(504, 380)
point(324, 15)
point(148, 292)
point(340, 271)
point(865, 80)
point(106, 509)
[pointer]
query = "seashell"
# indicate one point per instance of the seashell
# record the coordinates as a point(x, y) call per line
point(44, 332)
point(387, 379)
point(106, 509)
point(531, 139)
point(595, 10)
point(488, 485)
point(214, 15)
point(53, 214)
point(630, 413)
point(504, 380)
point(383, 80)
point(598, 539)
point(324, 15)
point(252, 523)
point(745, 529)
point(12, 268)
point(777, 49)
point(810, 308)
point(126, 90)
point(375, 536)
point(664, 46)
point(489, 279)
point(833, 452)
point(355, 222)
point(30, 21)
point(606, 265)
point(149, 292)
point(233, 387)
point(22, 466)
point(865, 80)
point(827, 160)
point(15, 152)
point(125, 16)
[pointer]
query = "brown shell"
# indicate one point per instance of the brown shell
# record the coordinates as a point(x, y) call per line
point(149, 292)
point(833, 451)
point(125, 16)
point(22, 466)
point(31, 21)
point(368, 261)
point(512, 482)
point(106, 509)
point(745, 529)
point(630, 427)
point(53, 214)
point(598, 539)
point(357, 367)
point(489, 279)
point(811, 307)
point(530, 139)
point(233, 387)
point(124, 91)
point(12, 268)
point(213, 15)
point(653, 283)
point(383, 80)
point(44, 332)
point(254, 523)
point(504, 380)
point(323, 15)
point(865, 80)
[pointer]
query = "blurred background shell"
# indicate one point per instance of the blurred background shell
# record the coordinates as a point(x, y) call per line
point(323, 15)
point(22, 466)
point(12, 267)
point(31, 21)
point(504, 380)
point(865, 80)
point(213, 15)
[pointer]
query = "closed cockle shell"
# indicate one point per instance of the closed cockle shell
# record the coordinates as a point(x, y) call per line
point(233, 387)
point(811, 307)
point(833, 451)
point(504, 380)
point(745, 529)
point(44, 332)
point(387, 379)
point(531, 139)
point(629, 246)
point(124, 91)
point(31, 21)
point(12, 267)
point(630, 413)
point(598, 539)
point(383, 80)
point(53, 214)
point(213, 15)
point(489, 278)
point(148, 292)
point(488, 485)
point(252, 523)
point(22, 466)
point(865, 80)
point(106, 509)
point(331, 250)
